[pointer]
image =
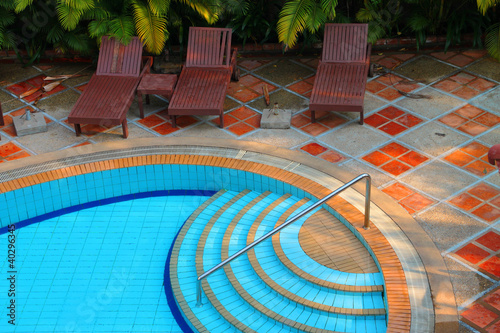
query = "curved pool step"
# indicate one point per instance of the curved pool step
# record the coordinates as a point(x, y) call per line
point(257, 293)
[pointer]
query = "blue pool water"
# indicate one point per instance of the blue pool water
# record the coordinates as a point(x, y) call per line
point(99, 269)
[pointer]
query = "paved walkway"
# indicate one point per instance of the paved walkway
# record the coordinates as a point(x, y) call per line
point(428, 153)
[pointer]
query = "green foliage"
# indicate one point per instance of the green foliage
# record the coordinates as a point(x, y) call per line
point(492, 40)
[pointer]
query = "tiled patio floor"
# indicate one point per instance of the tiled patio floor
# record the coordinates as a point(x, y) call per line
point(428, 153)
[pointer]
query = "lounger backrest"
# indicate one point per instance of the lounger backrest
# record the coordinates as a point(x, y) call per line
point(345, 42)
point(118, 59)
point(208, 47)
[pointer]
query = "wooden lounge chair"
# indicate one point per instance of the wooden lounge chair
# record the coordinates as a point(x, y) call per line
point(111, 90)
point(341, 77)
point(210, 63)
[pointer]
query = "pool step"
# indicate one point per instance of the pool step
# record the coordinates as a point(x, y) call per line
point(260, 291)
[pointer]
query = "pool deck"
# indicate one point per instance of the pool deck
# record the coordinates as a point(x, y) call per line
point(427, 153)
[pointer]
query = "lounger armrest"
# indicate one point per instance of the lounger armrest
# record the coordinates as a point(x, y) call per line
point(368, 53)
point(147, 62)
point(234, 55)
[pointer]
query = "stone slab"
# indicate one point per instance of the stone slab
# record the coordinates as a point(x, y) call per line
point(285, 100)
point(354, 139)
point(489, 101)
point(278, 138)
point(57, 137)
point(358, 168)
point(59, 105)
point(425, 69)
point(284, 72)
point(278, 120)
point(204, 130)
point(438, 104)
point(488, 67)
point(36, 124)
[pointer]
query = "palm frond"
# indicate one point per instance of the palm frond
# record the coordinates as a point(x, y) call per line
point(206, 9)
point(68, 16)
point(316, 18)
point(159, 7)
point(375, 32)
point(122, 27)
point(237, 7)
point(77, 42)
point(293, 20)
point(492, 41)
point(328, 7)
point(98, 28)
point(365, 15)
point(22, 4)
point(79, 4)
point(55, 33)
point(484, 5)
point(150, 28)
point(96, 13)
point(7, 18)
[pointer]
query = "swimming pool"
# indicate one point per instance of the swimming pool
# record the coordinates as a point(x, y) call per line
point(87, 176)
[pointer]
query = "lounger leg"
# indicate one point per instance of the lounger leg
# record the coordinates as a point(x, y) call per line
point(221, 120)
point(78, 129)
point(139, 101)
point(174, 121)
point(125, 129)
point(2, 122)
point(361, 117)
point(313, 116)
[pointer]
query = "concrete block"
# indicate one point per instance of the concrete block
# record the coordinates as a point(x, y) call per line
point(281, 120)
point(34, 125)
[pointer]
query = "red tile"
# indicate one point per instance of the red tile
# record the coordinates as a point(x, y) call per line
point(389, 94)
point(403, 56)
point(19, 88)
point(332, 157)
point(481, 84)
point(462, 78)
point(375, 86)
point(472, 253)
point(496, 202)
point(254, 121)
point(36, 81)
point(475, 149)
point(92, 129)
point(242, 113)
point(495, 328)
point(465, 201)
point(9, 130)
point(460, 60)
point(492, 266)
point(397, 191)
point(249, 64)
point(151, 121)
point(240, 128)
point(469, 111)
point(245, 95)
point(314, 129)
point(258, 88)
point(391, 112)
point(447, 85)
point(394, 149)
point(82, 144)
point(301, 87)
point(493, 299)
point(388, 62)
point(82, 87)
point(311, 79)
point(476, 54)
point(406, 87)
point(248, 80)
point(392, 128)
point(416, 201)
point(17, 156)
point(479, 315)
point(443, 55)
point(484, 192)
point(492, 241)
point(480, 168)
point(376, 120)
point(319, 114)
point(472, 128)
point(185, 121)
point(389, 79)
point(9, 149)
point(228, 120)
point(395, 168)
point(409, 120)
point(300, 120)
point(314, 148)
point(487, 212)
point(377, 158)
point(488, 119)
point(413, 158)
point(165, 128)
point(453, 120)
point(465, 93)
point(332, 120)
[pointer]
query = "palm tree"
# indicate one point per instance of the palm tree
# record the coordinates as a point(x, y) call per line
point(492, 39)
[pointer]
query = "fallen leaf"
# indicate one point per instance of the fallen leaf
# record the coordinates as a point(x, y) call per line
point(29, 92)
point(52, 85)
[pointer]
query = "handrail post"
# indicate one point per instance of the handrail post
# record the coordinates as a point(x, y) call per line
point(368, 195)
point(199, 295)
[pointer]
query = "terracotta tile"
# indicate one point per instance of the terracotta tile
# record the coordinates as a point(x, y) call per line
point(403, 56)
point(408, 209)
point(82, 87)
point(472, 253)
point(492, 266)
point(480, 168)
point(394, 149)
point(311, 79)
point(249, 80)
point(479, 315)
point(469, 111)
point(10, 130)
point(36, 81)
point(17, 156)
point(492, 241)
point(409, 120)
point(314, 148)
point(488, 119)
point(92, 129)
point(375, 86)
point(406, 87)
point(19, 88)
point(475, 149)
point(462, 78)
point(413, 158)
point(389, 79)
point(249, 64)
point(245, 95)
point(465, 201)
point(389, 94)
point(165, 128)
point(151, 121)
point(465, 93)
point(319, 114)
point(481, 84)
point(242, 113)
point(377, 158)
point(397, 191)
point(82, 144)
point(453, 120)
point(475, 53)
point(332, 157)
point(484, 192)
point(240, 128)
point(185, 121)
point(391, 112)
point(254, 121)
point(258, 88)
point(493, 299)
point(332, 120)
point(472, 128)
point(443, 55)
point(487, 212)
point(314, 129)
point(376, 120)
point(495, 328)
point(495, 202)
point(301, 87)
point(392, 128)
point(416, 201)
point(395, 168)
point(300, 120)
point(389, 62)
point(460, 60)
point(9, 149)
point(228, 120)
point(447, 85)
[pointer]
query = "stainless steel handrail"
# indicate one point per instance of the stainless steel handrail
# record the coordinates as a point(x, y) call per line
point(287, 223)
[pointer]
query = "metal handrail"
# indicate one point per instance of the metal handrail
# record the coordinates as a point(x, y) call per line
point(287, 223)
